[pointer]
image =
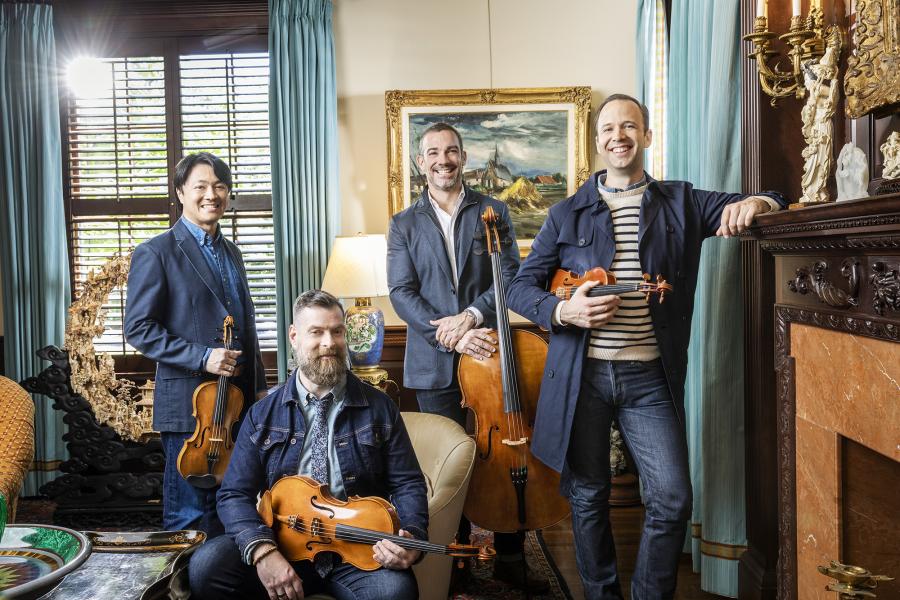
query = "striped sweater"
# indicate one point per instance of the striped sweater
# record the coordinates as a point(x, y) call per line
point(629, 334)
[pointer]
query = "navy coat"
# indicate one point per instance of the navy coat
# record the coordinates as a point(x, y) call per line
point(421, 282)
point(674, 220)
point(174, 311)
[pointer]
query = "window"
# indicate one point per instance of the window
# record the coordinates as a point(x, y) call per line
point(129, 120)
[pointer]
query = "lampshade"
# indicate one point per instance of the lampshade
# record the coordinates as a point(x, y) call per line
point(357, 267)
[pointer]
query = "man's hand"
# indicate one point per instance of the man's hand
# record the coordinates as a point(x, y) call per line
point(737, 216)
point(222, 361)
point(478, 343)
point(391, 556)
point(451, 329)
point(278, 576)
point(584, 311)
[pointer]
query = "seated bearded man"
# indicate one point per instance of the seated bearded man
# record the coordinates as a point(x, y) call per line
point(326, 424)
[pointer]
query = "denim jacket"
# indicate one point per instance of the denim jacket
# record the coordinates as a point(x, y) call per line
point(374, 450)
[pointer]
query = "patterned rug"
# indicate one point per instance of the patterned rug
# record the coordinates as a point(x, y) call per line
point(483, 586)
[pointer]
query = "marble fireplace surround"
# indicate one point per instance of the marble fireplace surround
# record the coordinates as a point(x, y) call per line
point(833, 384)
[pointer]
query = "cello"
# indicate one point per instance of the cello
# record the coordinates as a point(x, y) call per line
point(217, 407)
point(510, 490)
point(306, 520)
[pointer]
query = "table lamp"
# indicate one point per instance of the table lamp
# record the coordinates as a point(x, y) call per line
point(357, 269)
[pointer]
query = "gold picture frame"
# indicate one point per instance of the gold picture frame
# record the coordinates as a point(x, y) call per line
point(872, 81)
point(524, 125)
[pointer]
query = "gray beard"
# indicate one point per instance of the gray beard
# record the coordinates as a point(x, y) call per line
point(326, 373)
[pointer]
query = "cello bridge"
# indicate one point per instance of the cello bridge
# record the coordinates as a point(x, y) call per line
point(212, 439)
point(519, 442)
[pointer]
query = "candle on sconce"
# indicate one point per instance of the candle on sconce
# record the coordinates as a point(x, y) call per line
point(762, 8)
point(796, 8)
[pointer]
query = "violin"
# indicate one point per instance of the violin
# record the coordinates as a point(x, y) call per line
point(307, 519)
point(564, 284)
point(510, 489)
point(217, 408)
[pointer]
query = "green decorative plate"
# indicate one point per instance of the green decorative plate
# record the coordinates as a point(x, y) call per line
point(34, 558)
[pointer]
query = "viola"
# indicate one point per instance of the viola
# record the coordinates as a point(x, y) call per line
point(217, 408)
point(564, 284)
point(510, 490)
point(307, 519)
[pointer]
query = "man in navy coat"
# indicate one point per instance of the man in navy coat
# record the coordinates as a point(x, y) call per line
point(181, 286)
point(441, 284)
point(622, 357)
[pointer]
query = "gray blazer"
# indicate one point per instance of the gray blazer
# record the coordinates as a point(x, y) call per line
point(421, 282)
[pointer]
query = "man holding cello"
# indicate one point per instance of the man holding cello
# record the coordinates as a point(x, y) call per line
point(182, 285)
point(623, 357)
point(326, 424)
point(441, 284)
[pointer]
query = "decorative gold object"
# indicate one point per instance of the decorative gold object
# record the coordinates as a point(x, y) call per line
point(872, 80)
point(806, 43)
point(852, 581)
point(821, 83)
point(113, 400)
point(374, 376)
point(891, 152)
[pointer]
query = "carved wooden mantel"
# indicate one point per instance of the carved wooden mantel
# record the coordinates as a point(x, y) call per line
point(833, 269)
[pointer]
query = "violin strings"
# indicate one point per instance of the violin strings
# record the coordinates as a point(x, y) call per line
point(350, 533)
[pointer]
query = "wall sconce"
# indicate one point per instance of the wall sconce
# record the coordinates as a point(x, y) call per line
point(806, 42)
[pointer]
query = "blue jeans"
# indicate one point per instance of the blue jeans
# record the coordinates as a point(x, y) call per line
point(444, 402)
point(636, 395)
point(185, 506)
point(217, 572)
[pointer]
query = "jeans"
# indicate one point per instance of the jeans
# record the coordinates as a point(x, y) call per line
point(185, 506)
point(446, 402)
point(636, 395)
point(217, 572)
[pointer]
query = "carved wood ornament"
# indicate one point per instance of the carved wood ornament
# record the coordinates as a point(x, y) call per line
point(814, 280)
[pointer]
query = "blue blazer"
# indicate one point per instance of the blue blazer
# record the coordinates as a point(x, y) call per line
point(421, 282)
point(674, 220)
point(174, 311)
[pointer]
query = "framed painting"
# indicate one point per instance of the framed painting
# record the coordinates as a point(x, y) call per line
point(527, 147)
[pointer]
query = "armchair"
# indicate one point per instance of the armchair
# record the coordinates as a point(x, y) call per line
point(16, 440)
point(446, 455)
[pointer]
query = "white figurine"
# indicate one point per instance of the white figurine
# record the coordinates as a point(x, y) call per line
point(891, 151)
point(852, 174)
point(821, 79)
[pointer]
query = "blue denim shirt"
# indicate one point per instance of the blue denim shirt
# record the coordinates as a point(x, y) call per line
point(220, 262)
point(375, 453)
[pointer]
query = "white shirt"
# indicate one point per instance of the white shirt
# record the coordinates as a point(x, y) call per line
point(447, 222)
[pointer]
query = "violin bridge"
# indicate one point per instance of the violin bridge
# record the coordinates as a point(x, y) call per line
point(519, 442)
point(212, 439)
point(295, 523)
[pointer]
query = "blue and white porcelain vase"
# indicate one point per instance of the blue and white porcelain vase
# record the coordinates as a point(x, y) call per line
point(365, 334)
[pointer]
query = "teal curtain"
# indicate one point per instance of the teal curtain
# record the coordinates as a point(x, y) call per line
point(303, 125)
point(33, 260)
point(703, 147)
point(652, 44)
